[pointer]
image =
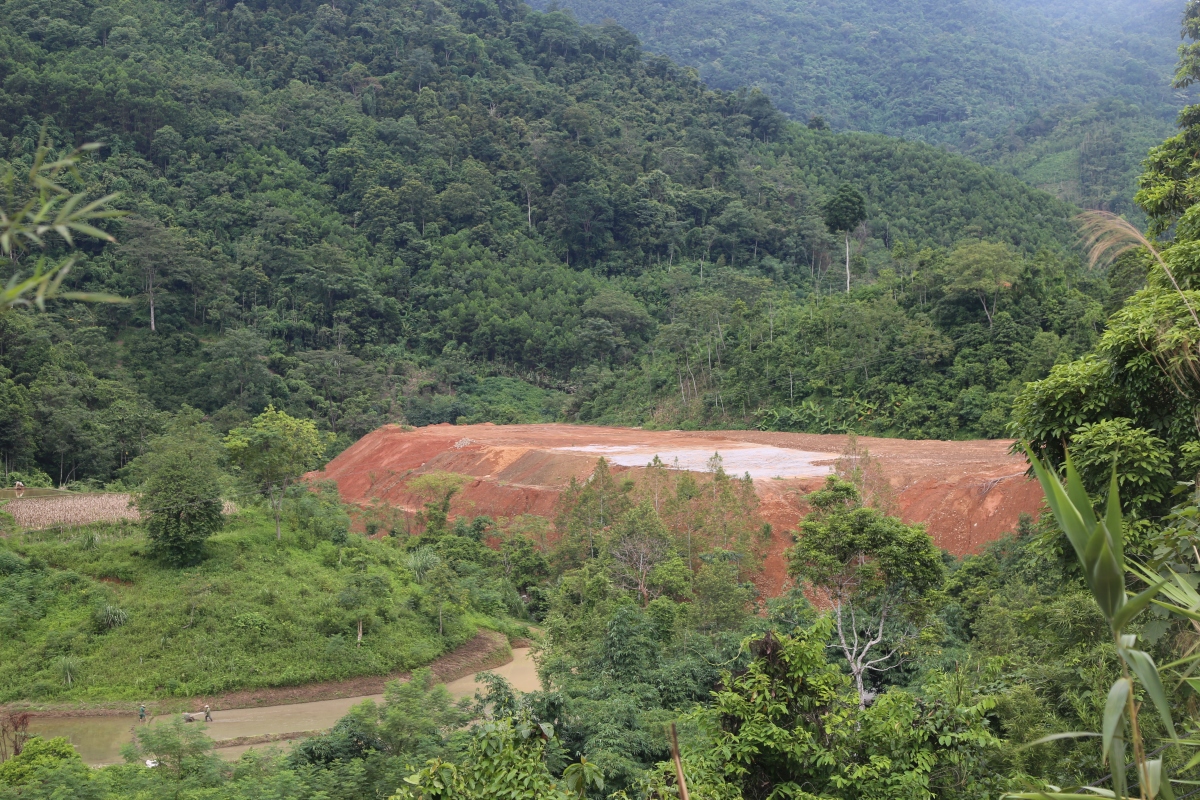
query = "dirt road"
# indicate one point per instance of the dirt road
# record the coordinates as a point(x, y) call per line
point(99, 739)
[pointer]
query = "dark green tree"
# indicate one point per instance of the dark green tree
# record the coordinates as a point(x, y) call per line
point(180, 496)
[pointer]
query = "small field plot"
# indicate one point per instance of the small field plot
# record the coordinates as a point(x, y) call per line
point(67, 509)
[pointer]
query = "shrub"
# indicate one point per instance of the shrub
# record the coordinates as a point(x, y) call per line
point(109, 617)
point(68, 669)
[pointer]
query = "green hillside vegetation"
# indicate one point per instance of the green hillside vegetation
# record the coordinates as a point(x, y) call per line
point(460, 211)
point(93, 604)
point(1067, 95)
point(1006, 647)
point(1057, 663)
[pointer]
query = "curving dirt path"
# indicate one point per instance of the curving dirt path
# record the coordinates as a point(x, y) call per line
point(243, 720)
point(237, 729)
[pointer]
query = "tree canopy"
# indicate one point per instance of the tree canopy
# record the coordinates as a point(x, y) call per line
point(376, 213)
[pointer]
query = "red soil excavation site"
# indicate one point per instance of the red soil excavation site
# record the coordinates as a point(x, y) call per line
point(966, 493)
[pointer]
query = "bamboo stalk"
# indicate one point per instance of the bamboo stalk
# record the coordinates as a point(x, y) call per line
point(683, 791)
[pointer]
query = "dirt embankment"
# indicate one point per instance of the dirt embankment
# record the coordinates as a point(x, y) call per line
point(966, 493)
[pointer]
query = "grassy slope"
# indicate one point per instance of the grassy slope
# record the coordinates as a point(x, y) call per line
point(254, 614)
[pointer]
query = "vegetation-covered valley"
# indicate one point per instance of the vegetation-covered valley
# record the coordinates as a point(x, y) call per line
point(289, 223)
point(427, 213)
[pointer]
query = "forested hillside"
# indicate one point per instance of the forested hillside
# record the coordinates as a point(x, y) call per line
point(1066, 94)
point(470, 210)
point(428, 212)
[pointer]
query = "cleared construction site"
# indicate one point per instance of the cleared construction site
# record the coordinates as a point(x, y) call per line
point(966, 493)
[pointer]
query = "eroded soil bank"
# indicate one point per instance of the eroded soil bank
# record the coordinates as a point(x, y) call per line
point(966, 493)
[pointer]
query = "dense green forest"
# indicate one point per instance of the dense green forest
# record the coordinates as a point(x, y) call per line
point(434, 212)
point(303, 266)
point(1067, 95)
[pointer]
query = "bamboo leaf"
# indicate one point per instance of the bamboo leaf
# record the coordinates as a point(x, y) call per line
point(1137, 605)
point(1114, 714)
point(1108, 579)
point(1153, 777)
point(1068, 516)
point(1079, 495)
point(1063, 795)
point(1113, 521)
point(1143, 666)
point(1054, 737)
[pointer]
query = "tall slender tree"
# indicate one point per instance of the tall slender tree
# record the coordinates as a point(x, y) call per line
point(844, 212)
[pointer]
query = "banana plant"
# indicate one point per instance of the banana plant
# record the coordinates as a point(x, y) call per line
point(1100, 547)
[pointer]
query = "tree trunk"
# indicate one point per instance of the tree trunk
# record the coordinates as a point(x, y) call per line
point(276, 503)
point(986, 310)
point(847, 262)
point(359, 644)
point(151, 293)
point(440, 628)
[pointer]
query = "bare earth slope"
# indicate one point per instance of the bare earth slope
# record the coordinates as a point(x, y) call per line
point(966, 493)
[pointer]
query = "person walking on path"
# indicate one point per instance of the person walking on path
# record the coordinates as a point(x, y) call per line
point(142, 713)
point(207, 713)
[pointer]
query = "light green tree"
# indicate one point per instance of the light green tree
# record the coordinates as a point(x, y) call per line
point(443, 595)
point(640, 543)
point(180, 749)
point(38, 754)
point(983, 270)
point(722, 604)
point(872, 571)
point(274, 450)
point(506, 760)
point(363, 591)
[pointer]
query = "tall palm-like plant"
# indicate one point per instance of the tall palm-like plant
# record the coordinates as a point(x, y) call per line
point(1099, 545)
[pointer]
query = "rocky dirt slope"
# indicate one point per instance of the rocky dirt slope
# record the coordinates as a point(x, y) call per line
point(966, 493)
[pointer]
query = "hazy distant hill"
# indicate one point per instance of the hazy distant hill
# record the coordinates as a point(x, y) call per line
point(1067, 94)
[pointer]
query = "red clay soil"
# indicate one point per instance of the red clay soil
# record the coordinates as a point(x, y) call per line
point(966, 493)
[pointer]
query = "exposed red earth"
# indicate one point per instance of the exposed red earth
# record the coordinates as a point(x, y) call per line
point(966, 493)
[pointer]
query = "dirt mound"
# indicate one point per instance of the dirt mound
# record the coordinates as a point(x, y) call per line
point(967, 493)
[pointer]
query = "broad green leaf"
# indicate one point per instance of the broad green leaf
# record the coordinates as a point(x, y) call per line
point(1068, 516)
point(1143, 666)
point(1135, 606)
point(1114, 714)
point(1113, 521)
